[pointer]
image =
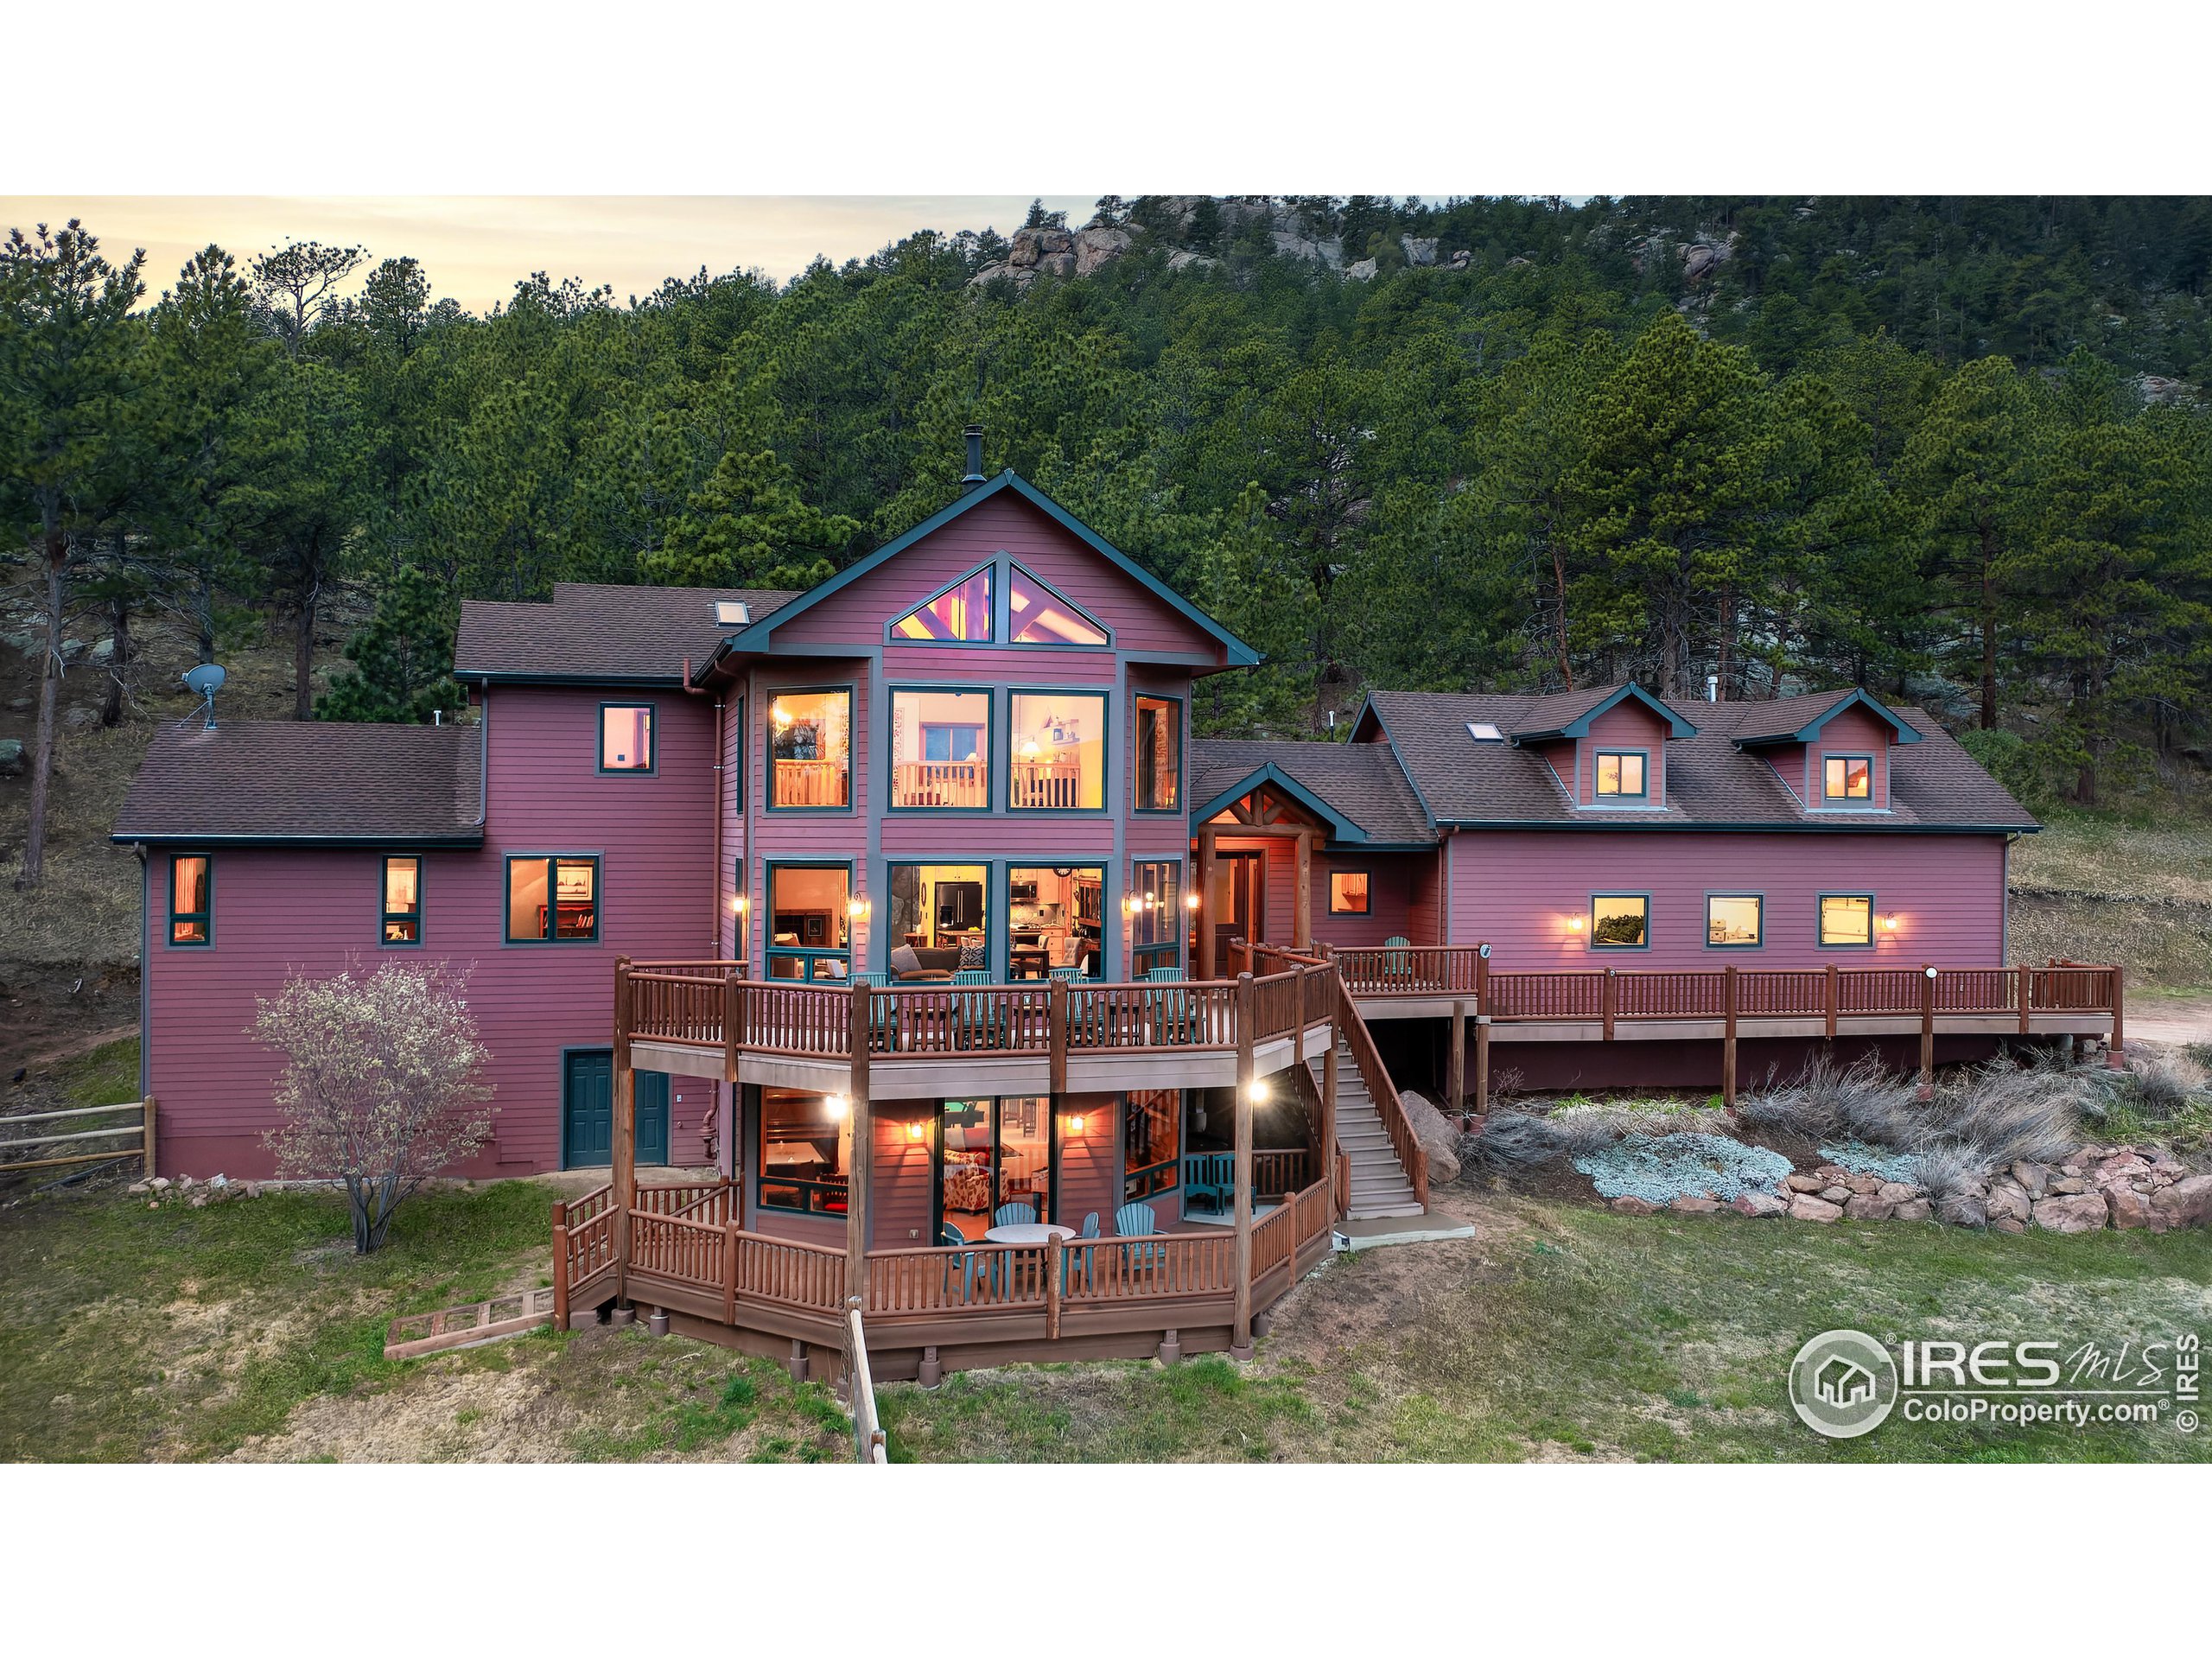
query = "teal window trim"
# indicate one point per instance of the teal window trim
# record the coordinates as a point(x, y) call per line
point(1641, 792)
point(552, 862)
point(994, 882)
point(994, 735)
point(852, 739)
point(1011, 566)
point(1336, 870)
point(805, 954)
point(1084, 864)
point(1167, 953)
point(1821, 927)
point(1865, 800)
point(205, 918)
point(387, 916)
point(1137, 700)
point(652, 741)
point(1758, 943)
point(1105, 698)
point(1596, 944)
point(806, 1189)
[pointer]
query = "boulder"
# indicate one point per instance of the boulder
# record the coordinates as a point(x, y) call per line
point(1630, 1206)
point(1436, 1136)
point(2185, 1203)
point(1899, 1191)
point(1033, 244)
point(1868, 1206)
point(1420, 250)
point(1097, 245)
point(1798, 1181)
point(1838, 1194)
point(2008, 1201)
point(1687, 1204)
point(2069, 1186)
point(2129, 1208)
point(1182, 257)
point(1360, 271)
point(1962, 1209)
point(1912, 1209)
point(1699, 259)
point(11, 757)
point(1806, 1207)
point(2032, 1178)
point(1761, 1204)
point(2070, 1212)
point(103, 651)
point(2007, 1224)
point(1861, 1183)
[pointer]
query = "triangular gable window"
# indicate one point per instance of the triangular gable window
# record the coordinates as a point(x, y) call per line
point(1040, 617)
point(962, 613)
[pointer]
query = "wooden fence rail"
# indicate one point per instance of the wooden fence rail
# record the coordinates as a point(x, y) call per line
point(134, 1139)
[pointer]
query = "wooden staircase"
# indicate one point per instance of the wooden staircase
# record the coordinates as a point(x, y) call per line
point(1380, 1184)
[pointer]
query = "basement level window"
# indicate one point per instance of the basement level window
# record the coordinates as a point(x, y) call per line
point(1484, 731)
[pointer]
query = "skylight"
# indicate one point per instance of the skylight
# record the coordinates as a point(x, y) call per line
point(732, 614)
point(1483, 732)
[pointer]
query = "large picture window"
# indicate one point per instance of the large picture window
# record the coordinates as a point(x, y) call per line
point(552, 899)
point(1159, 754)
point(806, 1151)
point(626, 737)
point(403, 901)
point(1734, 919)
point(938, 907)
point(1055, 919)
point(810, 749)
point(1848, 778)
point(1620, 774)
point(1156, 916)
point(1058, 760)
point(192, 899)
point(941, 750)
point(1151, 1143)
point(1847, 920)
point(1619, 921)
point(809, 921)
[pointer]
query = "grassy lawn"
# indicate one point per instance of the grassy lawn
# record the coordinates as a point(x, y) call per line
point(1562, 1331)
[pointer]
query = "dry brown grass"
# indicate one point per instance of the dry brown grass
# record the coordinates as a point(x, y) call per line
point(2098, 889)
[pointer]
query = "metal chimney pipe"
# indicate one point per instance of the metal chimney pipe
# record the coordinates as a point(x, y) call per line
point(975, 435)
point(1712, 688)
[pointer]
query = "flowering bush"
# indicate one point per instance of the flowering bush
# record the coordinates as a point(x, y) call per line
point(380, 1090)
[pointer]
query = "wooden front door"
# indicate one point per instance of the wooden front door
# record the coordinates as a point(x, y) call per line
point(587, 1112)
point(1238, 903)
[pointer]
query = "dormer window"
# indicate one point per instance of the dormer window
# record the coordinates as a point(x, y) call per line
point(1620, 774)
point(1845, 779)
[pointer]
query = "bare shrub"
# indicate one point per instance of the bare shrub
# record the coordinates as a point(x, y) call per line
point(1859, 1102)
point(2004, 1112)
point(380, 1090)
point(1511, 1143)
point(2160, 1082)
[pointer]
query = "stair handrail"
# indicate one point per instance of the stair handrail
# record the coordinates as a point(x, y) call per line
point(1412, 1157)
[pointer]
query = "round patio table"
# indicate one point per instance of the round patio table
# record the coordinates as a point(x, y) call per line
point(1028, 1232)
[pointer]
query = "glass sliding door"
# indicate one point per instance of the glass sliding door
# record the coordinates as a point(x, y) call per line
point(991, 1153)
point(1155, 917)
point(809, 921)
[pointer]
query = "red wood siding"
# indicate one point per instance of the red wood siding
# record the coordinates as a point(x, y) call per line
point(1517, 889)
point(1091, 1163)
point(1853, 732)
point(1626, 725)
point(1391, 880)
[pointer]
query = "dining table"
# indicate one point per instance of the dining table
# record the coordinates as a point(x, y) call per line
point(1028, 1232)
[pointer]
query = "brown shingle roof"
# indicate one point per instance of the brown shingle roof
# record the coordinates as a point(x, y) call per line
point(1363, 782)
point(592, 630)
point(303, 780)
point(1934, 784)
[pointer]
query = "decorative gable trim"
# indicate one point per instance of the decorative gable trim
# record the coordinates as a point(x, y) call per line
point(757, 637)
point(1901, 731)
point(1341, 828)
point(1579, 725)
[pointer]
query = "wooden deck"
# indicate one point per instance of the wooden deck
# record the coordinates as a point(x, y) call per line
point(928, 1311)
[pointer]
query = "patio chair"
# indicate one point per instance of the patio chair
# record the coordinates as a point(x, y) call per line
point(1075, 1264)
point(1170, 1010)
point(1398, 964)
point(1013, 1214)
point(950, 1235)
point(1137, 1221)
point(1210, 1176)
point(879, 1008)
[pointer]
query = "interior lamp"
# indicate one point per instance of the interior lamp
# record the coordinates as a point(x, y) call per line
point(779, 715)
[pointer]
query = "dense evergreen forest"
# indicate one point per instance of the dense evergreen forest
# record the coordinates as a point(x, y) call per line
point(1951, 449)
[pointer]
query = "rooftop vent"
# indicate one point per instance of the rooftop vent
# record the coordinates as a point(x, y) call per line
point(975, 436)
point(733, 614)
point(1483, 732)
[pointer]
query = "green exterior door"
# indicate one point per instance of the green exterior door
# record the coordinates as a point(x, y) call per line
point(587, 1112)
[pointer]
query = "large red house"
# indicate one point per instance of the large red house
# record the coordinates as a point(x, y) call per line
point(909, 901)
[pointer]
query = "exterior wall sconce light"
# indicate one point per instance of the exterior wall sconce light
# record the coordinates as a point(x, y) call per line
point(1574, 924)
point(914, 1129)
point(737, 904)
point(1074, 1124)
point(857, 909)
point(1889, 921)
point(838, 1105)
point(1257, 1094)
point(1191, 901)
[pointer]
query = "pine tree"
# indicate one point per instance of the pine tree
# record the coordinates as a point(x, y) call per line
point(403, 661)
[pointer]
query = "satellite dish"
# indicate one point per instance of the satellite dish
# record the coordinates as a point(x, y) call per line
point(204, 682)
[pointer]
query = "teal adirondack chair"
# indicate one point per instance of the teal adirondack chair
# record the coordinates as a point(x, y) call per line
point(964, 1264)
point(1170, 1010)
point(976, 1012)
point(1137, 1221)
point(1075, 1264)
point(1210, 1176)
point(1013, 1214)
point(879, 1007)
point(1397, 965)
point(1079, 1000)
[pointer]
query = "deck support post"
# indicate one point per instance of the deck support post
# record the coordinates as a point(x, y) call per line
point(623, 1156)
point(2027, 994)
point(863, 1159)
point(1831, 1001)
point(2115, 1051)
point(1207, 857)
point(1055, 1271)
point(1056, 1038)
point(1455, 1064)
point(1728, 1036)
point(1171, 1347)
point(729, 1265)
point(560, 1265)
point(1610, 1000)
point(1240, 1342)
point(148, 1172)
point(1927, 1090)
point(1301, 923)
point(931, 1369)
point(1482, 1028)
point(797, 1364)
point(1325, 1163)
